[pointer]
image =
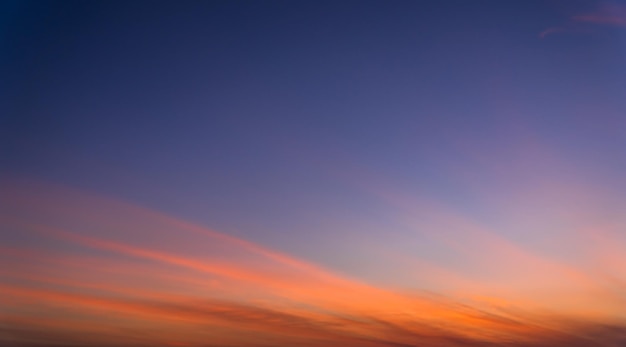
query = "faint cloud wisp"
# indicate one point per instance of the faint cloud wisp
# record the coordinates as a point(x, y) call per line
point(607, 14)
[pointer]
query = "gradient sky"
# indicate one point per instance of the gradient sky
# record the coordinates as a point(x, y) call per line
point(271, 173)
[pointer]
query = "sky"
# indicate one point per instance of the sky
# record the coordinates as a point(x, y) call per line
point(313, 173)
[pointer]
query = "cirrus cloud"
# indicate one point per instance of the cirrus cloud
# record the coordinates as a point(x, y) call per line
point(606, 14)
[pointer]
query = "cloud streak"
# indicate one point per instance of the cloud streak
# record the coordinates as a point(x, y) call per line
point(607, 14)
point(137, 287)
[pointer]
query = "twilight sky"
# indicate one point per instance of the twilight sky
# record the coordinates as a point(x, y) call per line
point(313, 173)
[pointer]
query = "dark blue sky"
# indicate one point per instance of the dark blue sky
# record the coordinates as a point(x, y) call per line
point(275, 120)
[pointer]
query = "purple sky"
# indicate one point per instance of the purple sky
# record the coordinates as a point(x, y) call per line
point(418, 145)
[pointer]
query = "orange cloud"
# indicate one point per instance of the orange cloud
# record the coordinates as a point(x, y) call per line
point(244, 293)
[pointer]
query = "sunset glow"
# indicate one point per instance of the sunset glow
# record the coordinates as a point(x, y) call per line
point(313, 173)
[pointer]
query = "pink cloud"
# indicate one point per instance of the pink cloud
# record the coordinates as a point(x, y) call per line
point(105, 285)
point(607, 14)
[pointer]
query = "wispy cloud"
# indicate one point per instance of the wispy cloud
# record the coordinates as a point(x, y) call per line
point(72, 285)
point(607, 14)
